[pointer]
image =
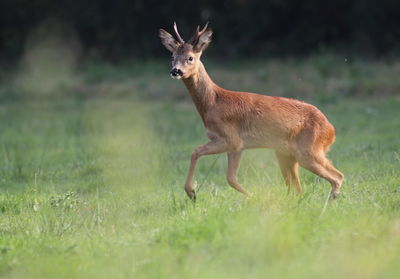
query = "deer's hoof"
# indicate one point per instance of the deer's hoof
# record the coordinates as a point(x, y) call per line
point(335, 194)
point(191, 194)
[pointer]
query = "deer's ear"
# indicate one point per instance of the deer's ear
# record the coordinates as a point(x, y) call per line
point(203, 41)
point(168, 40)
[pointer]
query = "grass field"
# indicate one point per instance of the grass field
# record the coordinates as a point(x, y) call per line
point(92, 184)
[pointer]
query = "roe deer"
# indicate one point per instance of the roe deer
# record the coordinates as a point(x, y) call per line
point(298, 132)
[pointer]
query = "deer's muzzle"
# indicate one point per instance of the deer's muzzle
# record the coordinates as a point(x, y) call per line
point(176, 73)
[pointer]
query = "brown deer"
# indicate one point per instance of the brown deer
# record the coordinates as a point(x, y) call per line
point(298, 132)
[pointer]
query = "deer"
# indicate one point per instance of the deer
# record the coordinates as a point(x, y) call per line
point(298, 132)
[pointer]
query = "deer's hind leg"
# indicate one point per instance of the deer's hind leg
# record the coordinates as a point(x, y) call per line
point(311, 147)
point(317, 163)
point(290, 170)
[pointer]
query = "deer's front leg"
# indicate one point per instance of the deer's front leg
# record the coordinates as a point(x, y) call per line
point(232, 171)
point(212, 147)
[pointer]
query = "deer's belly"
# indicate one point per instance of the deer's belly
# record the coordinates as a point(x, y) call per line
point(264, 140)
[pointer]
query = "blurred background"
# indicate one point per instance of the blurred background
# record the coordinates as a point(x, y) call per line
point(114, 30)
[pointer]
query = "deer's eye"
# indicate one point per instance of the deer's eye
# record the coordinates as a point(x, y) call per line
point(190, 59)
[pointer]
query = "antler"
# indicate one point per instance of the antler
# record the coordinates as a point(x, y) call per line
point(198, 33)
point(177, 34)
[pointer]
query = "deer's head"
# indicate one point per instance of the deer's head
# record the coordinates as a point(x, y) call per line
point(185, 55)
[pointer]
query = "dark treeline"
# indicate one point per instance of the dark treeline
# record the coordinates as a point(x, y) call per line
point(114, 29)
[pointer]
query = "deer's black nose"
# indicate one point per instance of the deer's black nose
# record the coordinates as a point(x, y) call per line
point(176, 72)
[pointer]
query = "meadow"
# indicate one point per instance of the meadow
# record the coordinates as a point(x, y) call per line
point(93, 166)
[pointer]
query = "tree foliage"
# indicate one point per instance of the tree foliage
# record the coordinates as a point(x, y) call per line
point(120, 28)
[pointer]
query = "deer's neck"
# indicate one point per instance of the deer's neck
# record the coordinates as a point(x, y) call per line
point(201, 89)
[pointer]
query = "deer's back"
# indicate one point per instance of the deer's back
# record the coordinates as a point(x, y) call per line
point(267, 121)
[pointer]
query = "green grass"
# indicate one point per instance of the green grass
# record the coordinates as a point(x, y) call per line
point(93, 188)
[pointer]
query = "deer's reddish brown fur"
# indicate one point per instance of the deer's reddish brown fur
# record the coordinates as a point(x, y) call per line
point(299, 133)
